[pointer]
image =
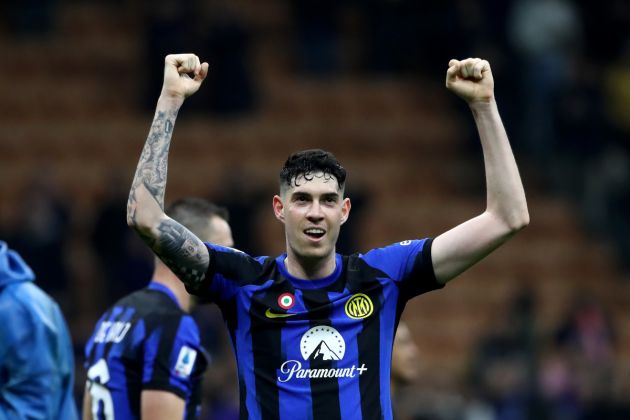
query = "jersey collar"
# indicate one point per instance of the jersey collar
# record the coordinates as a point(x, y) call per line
point(161, 288)
point(310, 284)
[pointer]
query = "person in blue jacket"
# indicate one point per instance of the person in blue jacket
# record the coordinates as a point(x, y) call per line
point(36, 360)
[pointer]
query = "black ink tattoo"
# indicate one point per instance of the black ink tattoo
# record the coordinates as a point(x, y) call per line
point(153, 165)
point(182, 252)
point(175, 245)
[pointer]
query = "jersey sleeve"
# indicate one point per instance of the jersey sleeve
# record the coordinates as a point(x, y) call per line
point(408, 264)
point(228, 270)
point(173, 357)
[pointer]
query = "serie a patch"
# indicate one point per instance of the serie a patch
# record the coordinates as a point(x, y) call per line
point(185, 362)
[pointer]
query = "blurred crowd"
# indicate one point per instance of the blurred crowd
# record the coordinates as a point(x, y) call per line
point(521, 370)
point(565, 97)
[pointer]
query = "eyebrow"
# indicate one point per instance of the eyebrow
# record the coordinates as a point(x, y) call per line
point(308, 194)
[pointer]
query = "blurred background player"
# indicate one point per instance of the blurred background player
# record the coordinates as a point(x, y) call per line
point(36, 360)
point(405, 364)
point(144, 359)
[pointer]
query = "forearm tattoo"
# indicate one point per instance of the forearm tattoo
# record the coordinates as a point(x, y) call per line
point(152, 167)
point(175, 245)
point(180, 250)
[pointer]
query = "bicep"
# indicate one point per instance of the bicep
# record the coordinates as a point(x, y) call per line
point(161, 405)
point(180, 249)
point(461, 247)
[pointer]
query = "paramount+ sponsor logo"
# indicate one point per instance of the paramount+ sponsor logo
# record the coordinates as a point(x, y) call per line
point(359, 306)
point(322, 343)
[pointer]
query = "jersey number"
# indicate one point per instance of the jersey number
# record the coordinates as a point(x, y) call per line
point(98, 375)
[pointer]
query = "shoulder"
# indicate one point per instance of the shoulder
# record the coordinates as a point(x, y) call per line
point(397, 259)
point(26, 314)
point(397, 251)
point(237, 265)
point(25, 302)
point(148, 302)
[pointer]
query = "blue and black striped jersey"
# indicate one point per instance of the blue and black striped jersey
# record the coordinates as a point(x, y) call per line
point(144, 342)
point(316, 349)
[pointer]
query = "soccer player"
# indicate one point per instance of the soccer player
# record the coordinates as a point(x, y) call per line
point(144, 359)
point(312, 329)
point(36, 360)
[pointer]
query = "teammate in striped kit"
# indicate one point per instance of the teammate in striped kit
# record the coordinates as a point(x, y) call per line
point(313, 330)
point(144, 359)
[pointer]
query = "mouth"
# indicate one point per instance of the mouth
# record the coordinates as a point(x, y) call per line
point(315, 233)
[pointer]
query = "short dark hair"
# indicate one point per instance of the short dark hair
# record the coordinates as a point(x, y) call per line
point(194, 212)
point(308, 162)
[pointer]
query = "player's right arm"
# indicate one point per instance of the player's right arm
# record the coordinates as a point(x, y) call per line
point(176, 246)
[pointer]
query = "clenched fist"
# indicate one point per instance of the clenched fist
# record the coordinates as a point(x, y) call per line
point(183, 74)
point(471, 79)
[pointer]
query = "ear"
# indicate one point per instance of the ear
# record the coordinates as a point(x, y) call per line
point(278, 208)
point(345, 210)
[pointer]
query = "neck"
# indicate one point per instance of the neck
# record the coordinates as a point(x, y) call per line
point(165, 277)
point(310, 268)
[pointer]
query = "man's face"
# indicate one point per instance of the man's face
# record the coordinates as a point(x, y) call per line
point(312, 212)
point(405, 358)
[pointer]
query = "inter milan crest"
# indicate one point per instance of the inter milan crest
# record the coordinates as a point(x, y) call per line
point(359, 306)
point(286, 301)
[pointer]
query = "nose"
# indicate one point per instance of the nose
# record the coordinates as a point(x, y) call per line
point(315, 211)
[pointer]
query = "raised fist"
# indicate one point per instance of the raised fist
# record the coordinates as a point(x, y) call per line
point(183, 74)
point(470, 79)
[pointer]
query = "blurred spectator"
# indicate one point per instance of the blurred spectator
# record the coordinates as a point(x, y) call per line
point(588, 339)
point(503, 371)
point(36, 360)
point(588, 335)
point(557, 385)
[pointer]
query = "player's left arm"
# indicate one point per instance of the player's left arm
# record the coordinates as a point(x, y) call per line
point(506, 210)
point(87, 404)
point(161, 405)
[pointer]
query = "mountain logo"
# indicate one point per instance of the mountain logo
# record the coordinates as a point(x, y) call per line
point(322, 343)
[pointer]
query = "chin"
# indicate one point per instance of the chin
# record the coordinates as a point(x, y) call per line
point(314, 253)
